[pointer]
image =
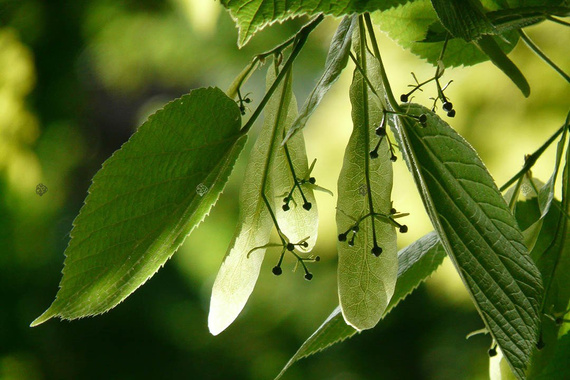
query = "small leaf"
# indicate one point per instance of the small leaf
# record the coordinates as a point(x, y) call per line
point(488, 45)
point(415, 263)
point(253, 15)
point(240, 269)
point(478, 232)
point(336, 61)
point(365, 282)
point(146, 199)
point(546, 193)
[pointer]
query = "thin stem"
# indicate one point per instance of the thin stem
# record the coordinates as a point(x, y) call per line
point(531, 160)
point(390, 96)
point(295, 181)
point(359, 68)
point(270, 155)
point(366, 129)
point(299, 41)
point(541, 54)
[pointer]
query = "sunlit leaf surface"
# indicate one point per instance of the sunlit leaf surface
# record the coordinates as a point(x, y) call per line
point(146, 199)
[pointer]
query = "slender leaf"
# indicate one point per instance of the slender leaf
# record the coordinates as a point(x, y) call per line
point(490, 47)
point(253, 15)
point(546, 194)
point(478, 232)
point(416, 262)
point(336, 61)
point(240, 269)
point(365, 282)
point(146, 199)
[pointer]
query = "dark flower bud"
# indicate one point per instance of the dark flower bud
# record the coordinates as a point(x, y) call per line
point(312, 180)
point(277, 270)
point(307, 206)
point(342, 237)
point(403, 228)
point(285, 207)
point(308, 276)
point(451, 113)
point(447, 106)
point(290, 246)
point(376, 251)
point(404, 97)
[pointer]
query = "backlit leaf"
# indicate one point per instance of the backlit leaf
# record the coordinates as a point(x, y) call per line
point(337, 59)
point(365, 282)
point(415, 263)
point(240, 269)
point(146, 199)
point(477, 230)
point(253, 15)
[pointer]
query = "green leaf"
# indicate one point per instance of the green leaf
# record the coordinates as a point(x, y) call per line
point(478, 232)
point(490, 47)
point(336, 61)
point(465, 19)
point(559, 366)
point(552, 255)
point(546, 193)
point(264, 176)
point(365, 282)
point(253, 15)
point(415, 263)
point(409, 25)
point(503, 20)
point(146, 199)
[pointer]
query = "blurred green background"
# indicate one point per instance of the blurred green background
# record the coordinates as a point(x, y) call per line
point(76, 78)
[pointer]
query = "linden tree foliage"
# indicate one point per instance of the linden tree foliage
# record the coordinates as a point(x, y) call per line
point(368, 264)
point(511, 250)
point(146, 199)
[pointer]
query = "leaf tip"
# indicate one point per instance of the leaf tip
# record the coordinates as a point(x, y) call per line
point(46, 316)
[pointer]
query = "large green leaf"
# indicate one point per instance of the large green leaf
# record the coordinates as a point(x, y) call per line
point(253, 15)
point(415, 263)
point(365, 282)
point(337, 58)
point(266, 174)
point(478, 232)
point(410, 24)
point(146, 199)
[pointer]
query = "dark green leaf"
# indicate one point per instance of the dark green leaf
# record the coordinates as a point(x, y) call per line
point(478, 232)
point(490, 47)
point(146, 199)
point(415, 263)
point(253, 15)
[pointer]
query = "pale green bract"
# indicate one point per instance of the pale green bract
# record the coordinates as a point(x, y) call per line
point(365, 282)
point(478, 231)
point(337, 58)
point(146, 199)
point(415, 263)
point(267, 173)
